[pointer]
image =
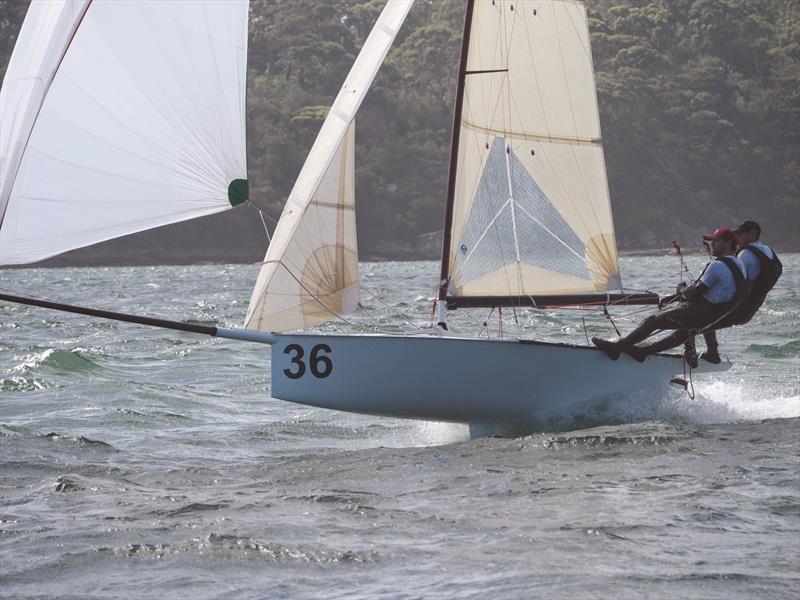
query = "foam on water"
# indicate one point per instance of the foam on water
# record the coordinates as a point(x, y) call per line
point(745, 403)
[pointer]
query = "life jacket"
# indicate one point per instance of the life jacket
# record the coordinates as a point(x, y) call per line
point(743, 288)
point(743, 285)
point(771, 270)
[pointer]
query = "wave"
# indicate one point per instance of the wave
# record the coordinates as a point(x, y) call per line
point(56, 360)
point(80, 440)
point(234, 547)
point(23, 384)
point(788, 350)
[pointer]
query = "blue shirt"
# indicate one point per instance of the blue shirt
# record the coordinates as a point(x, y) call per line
point(751, 262)
point(720, 281)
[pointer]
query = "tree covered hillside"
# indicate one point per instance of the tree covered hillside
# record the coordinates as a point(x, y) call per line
point(699, 103)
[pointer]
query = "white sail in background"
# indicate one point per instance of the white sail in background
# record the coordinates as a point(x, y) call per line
point(531, 214)
point(118, 117)
point(310, 272)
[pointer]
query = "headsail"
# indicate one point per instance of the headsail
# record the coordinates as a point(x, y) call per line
point(310, 272)
point(530, 206)
point(118, 117)
point(316, 277)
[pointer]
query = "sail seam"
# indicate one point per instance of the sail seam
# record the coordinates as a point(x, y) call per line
point(556, 139)
point(511, 200)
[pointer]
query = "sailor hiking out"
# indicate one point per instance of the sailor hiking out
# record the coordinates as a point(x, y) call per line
point(720, 289)
point(763, 268)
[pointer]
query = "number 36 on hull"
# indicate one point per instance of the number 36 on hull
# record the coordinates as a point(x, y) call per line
point(454, 379)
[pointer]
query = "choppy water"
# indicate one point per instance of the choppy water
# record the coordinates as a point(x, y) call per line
point(140, 463)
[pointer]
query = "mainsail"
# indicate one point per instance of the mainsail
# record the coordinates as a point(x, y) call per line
point(529, 206)
point(310, 272)
point(117, 117)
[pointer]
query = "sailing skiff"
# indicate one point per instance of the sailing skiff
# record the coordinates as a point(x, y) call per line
point(102, 136)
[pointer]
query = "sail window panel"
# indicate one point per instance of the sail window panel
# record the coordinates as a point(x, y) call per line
point(513, 221)
point(573, 177)
point(529, 81)
point(136, 135)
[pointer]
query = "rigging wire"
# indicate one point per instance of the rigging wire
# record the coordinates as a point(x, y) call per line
point(263, 214)
point(396, 312)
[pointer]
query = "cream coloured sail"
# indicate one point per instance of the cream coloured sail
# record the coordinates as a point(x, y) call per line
point(119, 116)
point(310, 272)
point(316, 276)
point(531, 212)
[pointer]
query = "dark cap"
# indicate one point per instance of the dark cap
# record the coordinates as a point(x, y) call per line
point(748, 226)
point(721, 233)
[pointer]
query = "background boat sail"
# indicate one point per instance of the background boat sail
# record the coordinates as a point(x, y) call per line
point(527, 220)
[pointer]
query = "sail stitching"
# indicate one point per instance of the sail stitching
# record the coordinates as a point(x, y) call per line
point(586, 50)
point(546, 137)
point(512, 202)
point(574, 123)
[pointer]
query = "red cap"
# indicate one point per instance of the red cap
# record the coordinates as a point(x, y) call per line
point(722, 233)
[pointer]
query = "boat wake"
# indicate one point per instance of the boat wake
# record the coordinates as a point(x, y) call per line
point(715, 402)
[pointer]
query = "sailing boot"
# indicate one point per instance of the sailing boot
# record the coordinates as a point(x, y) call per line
point(613, 349)
point(712, 348)
point(640, 353)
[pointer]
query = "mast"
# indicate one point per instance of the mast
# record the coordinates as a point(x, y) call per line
point(451, 181)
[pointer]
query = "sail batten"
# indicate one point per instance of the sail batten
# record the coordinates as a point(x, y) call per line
point(530, 208)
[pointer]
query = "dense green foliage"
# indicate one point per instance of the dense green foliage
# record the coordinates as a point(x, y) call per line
point(699, 102)
point(700, 106)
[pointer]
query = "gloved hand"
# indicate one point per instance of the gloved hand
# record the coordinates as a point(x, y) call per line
point(689, 292)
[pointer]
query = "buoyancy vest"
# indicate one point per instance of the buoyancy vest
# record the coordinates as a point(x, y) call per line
point(743, 285)
point(771, 270)
point(727, 309)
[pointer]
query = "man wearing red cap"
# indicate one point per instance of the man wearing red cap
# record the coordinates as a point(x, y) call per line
point(763, 270)
point(721, 288)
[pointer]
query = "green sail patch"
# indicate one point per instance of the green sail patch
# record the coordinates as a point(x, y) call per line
point(238, 191)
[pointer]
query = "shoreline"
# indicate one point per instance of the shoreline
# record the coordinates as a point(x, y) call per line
point(60, 263)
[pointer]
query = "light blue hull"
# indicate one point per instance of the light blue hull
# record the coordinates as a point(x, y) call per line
point(456, 379)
